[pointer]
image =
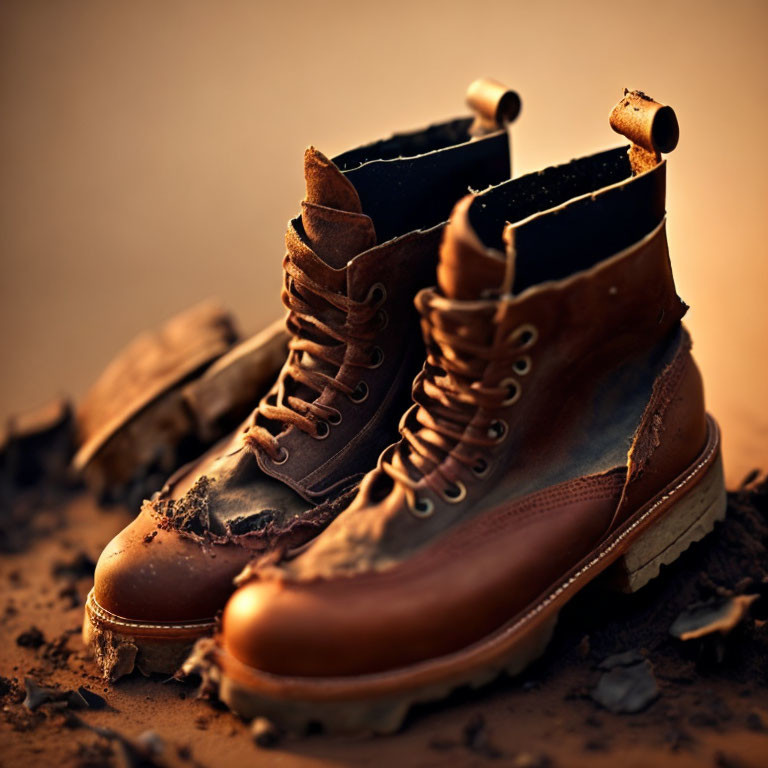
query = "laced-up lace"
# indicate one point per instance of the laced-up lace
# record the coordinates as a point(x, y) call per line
point(448, 395)
point(344, 335)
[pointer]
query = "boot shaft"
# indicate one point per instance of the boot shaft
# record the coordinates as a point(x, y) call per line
point(547, 373)
point(369, 232)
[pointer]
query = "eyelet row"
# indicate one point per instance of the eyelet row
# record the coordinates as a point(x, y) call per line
point(424, 506)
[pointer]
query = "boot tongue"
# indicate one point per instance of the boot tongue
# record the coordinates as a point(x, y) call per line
point(335, 227)
point(467, 269)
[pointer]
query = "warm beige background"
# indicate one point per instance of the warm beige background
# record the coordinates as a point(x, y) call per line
point(150, 154)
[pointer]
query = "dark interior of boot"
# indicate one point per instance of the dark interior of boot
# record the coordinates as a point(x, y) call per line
point(578, 235)
point(413, 180)
point(408, 144)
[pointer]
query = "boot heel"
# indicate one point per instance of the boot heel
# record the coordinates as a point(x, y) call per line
point(688, 520)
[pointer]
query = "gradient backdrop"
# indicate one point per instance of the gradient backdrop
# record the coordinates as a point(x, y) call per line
point(150, 155)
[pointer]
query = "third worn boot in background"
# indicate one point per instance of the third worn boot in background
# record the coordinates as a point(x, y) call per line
point(366, 241)
point(558, 429)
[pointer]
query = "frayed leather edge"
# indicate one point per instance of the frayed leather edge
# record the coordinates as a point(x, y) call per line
point(300, 533)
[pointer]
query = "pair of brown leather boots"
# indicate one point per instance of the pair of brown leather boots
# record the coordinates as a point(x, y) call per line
point(555, 430)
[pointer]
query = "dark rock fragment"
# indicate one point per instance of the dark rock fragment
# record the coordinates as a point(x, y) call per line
point(39, 694)
point(92, 700)
point(80, 566)
point(477, 739)
point(31, 638)
point(718, 615)
point(628, 686)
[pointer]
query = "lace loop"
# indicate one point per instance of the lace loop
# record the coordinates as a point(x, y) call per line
point(329, 329)
point(448, 396)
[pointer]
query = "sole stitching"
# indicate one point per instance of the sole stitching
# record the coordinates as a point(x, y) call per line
point(94, 608)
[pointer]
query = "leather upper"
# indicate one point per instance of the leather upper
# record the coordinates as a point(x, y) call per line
point(544, 417)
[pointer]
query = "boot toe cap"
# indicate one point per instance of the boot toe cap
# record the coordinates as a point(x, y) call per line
point(149, 574)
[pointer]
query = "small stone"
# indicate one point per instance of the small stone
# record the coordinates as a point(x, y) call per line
point(627, 689)
point(264, 733)
point(150, 743)
point(32, 638)
point(93, 700)
point(39, 694)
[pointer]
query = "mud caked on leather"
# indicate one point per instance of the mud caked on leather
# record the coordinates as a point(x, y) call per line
point(557, 428)
point(365, 243)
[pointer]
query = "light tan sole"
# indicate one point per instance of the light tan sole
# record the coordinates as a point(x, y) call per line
point(120, 645)
point(654, 536)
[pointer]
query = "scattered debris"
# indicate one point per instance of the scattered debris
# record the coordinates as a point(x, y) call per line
point(151, 743)
point(37, 694)
point(82, 698)
point(628, 685)
point(80, 566)
point(477, 739)
point(92, 700)
point(31, 638)
point(264, 733)
point(716, 615)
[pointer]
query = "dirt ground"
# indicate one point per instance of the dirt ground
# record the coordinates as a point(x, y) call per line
point(702, 703)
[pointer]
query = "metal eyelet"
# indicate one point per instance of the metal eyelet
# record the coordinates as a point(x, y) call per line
point(360, 393)
point(524, 336)
point(377, 293)
point(455, 493)
point(322, 430)
point(481, 467)
point(378, 357)
point(421, 507)
point(334, 418)
point(284, 452)
point(522, 365)
point(514, 388)
point(383, 317)
point(498, 430)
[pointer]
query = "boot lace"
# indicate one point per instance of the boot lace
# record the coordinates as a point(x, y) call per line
point(449, 395)
point(326, 327)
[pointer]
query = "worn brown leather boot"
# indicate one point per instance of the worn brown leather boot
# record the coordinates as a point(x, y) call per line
point(558, 429)
point(366, 241)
